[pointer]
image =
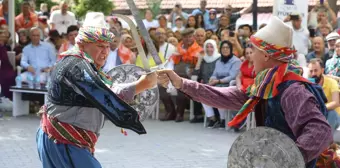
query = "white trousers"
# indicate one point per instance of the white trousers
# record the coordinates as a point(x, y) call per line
point(43, 76)
point(209, 111)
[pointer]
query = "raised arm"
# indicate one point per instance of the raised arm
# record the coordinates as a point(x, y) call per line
point(308, 124)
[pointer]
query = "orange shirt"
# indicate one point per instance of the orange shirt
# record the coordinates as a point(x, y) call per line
point(21, 22)
point(189, 55)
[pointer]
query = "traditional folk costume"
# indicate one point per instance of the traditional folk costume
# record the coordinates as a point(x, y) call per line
point(79, 97)
point(280, 97)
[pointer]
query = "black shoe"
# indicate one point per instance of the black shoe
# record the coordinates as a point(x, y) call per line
point(213, 124)
point(197, 120)
point(222, 124)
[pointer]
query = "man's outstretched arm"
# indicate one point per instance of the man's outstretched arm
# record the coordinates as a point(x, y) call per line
point(229, 98)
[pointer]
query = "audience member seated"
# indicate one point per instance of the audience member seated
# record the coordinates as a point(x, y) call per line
point(124, 49)
point(62, 18)
point(319, 50)
point(244, 32)
point(26, 19)
point(246, 76)
point(199, 20)
point(331, 90)
point(204, 69)
point(178, 24)
point(331, 39)
point(55, 40)
point(173, 41)
point(114, 59)
point(38, 57)
point(226, 70)
point(333, 64)
point(165, 48)
point(185, 62)
point(216, 39)
point(191, 22)
point(209, 33)
point(6, 69)
point(149, 57)
point(200, 36)
point(212, 23)
point(23, 42)
point(149, 21)
point(72, 32)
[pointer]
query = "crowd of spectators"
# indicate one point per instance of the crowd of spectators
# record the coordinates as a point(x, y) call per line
point(203, 45)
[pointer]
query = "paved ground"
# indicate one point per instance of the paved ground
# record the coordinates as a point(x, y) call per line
point(167, 145)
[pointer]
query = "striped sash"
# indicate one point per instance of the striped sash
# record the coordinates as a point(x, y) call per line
point(66, 133)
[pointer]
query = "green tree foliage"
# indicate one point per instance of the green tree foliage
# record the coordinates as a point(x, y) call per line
point(81, 7)
point(154, 6)
point(18, 6)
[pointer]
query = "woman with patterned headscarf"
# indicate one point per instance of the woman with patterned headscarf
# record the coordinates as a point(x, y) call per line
point(80, 95)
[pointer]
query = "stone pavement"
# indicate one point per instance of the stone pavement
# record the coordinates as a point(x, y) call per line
point(167, 145)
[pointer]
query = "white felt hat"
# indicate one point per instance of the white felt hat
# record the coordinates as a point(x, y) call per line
point(276, 32)
point(95, 19)
point(332, 36)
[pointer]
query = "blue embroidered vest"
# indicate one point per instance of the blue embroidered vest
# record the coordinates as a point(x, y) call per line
point(269, 113)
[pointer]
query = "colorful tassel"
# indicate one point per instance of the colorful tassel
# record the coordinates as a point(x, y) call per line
point(123, 131)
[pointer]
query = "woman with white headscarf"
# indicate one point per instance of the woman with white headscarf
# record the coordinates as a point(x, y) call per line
point(204, 69)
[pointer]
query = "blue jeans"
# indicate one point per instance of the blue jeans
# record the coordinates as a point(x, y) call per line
point(333, 119)
point(54, 155)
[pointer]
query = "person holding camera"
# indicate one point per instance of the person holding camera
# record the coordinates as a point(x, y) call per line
point(322, 13)
point(177, 12)
point(300, 34)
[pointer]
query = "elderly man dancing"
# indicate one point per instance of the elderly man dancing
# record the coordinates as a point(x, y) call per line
point(281, 98)
point(79, 97)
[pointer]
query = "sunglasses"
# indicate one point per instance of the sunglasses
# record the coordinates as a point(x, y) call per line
point(249, 45)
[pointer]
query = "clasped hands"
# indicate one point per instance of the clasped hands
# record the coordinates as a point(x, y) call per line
point(162, 77)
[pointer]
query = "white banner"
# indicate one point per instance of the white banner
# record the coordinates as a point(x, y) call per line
point(283, 8)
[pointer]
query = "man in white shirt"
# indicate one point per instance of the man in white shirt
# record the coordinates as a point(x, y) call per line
point(113, 59)
point(165, 48)
point(149, 22)
point(62, 19)
point(300, 35)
